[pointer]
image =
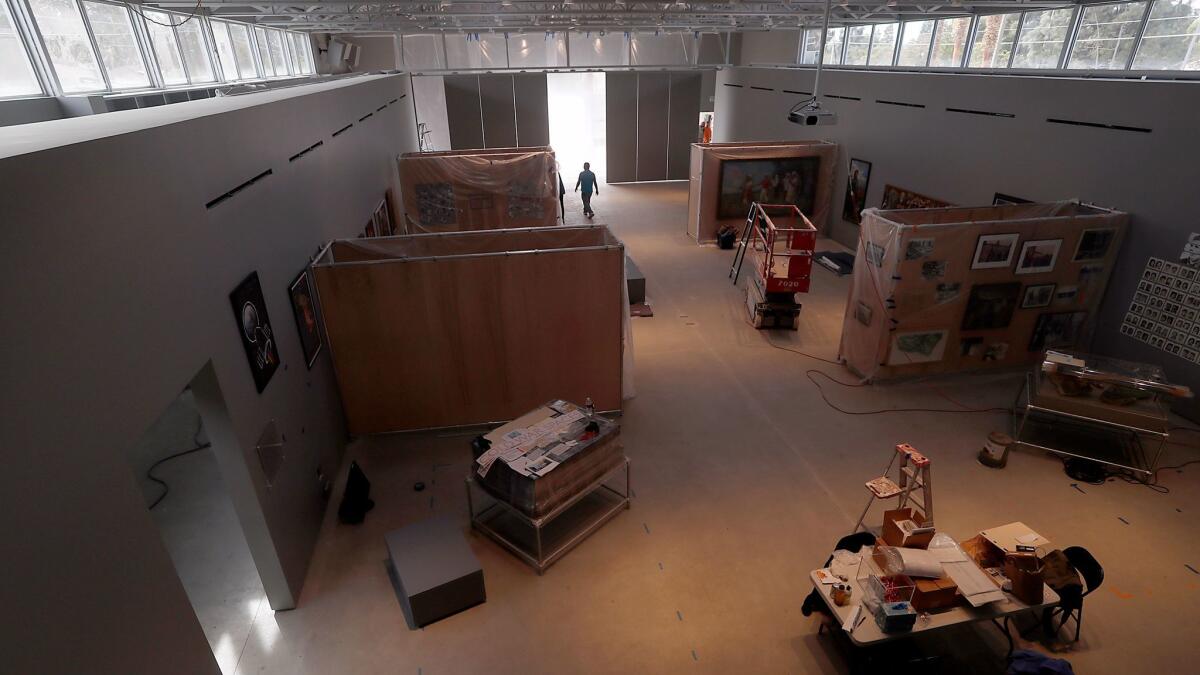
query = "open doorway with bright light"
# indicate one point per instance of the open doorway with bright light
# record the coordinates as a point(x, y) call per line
point(180, 474)
point(576, 110)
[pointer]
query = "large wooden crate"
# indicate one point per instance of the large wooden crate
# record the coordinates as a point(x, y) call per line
point(439, 330)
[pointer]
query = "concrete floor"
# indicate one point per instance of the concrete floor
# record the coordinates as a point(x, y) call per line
point(744, 479)
point(201, 532)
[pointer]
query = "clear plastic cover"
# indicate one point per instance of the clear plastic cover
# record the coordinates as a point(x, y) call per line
point(479, 189)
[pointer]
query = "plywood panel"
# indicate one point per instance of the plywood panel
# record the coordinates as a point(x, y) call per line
point(467, 340)
point(462, 112)
point(684, 124)
point(654, 90)
point(533, 116)
point(621, 121)
point(499, 111)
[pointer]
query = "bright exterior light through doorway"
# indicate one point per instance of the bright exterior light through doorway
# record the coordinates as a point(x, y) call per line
point(577, 123)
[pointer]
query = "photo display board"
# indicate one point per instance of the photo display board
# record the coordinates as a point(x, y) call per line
point(966, 288)
point(1165, 311)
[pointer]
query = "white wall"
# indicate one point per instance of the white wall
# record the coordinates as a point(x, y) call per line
point(767, 47)
point(429, 94)
point(966, 158)
point(115, 297)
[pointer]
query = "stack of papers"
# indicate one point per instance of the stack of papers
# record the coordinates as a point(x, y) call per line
point(524, 449)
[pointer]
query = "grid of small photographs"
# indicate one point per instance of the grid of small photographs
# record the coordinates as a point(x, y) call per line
point(1165, 312)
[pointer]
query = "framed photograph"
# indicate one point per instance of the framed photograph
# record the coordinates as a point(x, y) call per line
point(856, 190)
point(947, 292)
point(1038, 256)
point(304, 306)
point(994, 250)
point(1060, 329)
point(369, 230)
point(1001, 199)
point(863, 313)
point(789, 180)
point(382, 218)
point(254, 326)
point(1066, 295)
point(917, 347)
point(875, 253)
point(916, 249)
point(1094, 244)
point(899, 198)
point(437, 205)
point(991, 306)
point(933, 269)
point(1037, 295)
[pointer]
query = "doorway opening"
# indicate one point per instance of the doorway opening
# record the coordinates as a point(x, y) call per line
point(576, 111)
point(190, 502)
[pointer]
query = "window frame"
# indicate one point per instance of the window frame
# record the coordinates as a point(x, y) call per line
point(928, 48)
point(25, 32)
point(142, 46)
point(52, 70)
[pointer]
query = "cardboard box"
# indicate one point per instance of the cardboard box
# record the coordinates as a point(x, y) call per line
point(1025, 572)
point(934, 593)
point(897, 529)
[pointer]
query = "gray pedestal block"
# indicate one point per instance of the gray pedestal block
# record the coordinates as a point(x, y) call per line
point(435, 571)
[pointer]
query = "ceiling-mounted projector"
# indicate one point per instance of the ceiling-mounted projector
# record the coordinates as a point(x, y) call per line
point(809, 114)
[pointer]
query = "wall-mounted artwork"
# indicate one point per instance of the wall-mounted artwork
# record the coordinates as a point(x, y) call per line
point(899, 198)
point(917, 347)
point(304, 306)
point(947, 292)
point(435, 204)
point(250, 311)
point(933, 269)
point(991, 306)
point(994, 250)
point(1038, 256)
point(1001, 199)
point(525, 201)
point(1066, 295)
point(875, 253)
point(382, 219)
point(856, 190)
point(1059, 329)
point(791, 181)
point(1094, 244)
point(918, 248)
point(1037, 295)
point(863, 313)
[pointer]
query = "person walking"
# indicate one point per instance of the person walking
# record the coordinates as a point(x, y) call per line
point(587, 181)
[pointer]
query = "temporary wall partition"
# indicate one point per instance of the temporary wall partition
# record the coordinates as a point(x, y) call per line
point(438, 330)
point(944, 290)
point(479, 189)
point(708, 210)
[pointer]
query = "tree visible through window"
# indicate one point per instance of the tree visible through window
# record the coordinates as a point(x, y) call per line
point(67, 45)
point(914, 43)
point(1043, 34)
point(993, 42)
point(118, 45)
point(1172, 38)
point(950, 42)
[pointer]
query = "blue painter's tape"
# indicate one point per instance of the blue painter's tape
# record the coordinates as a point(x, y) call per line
point(679, 614)
point(660, 566)
point(1193, 569)
point(694, 657)
point(1076, 486)
point(1122, 520)
point(647, 528)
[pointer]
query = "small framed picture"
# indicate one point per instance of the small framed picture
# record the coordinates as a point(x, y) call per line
point(994, 250)
point(1094, 244)
point(1037, 295)
point(1038, 256)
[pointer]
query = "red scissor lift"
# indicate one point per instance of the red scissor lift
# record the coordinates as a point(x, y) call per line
point(780, 241)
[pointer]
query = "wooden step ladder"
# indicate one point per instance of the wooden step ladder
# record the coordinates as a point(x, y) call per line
point(913, 476)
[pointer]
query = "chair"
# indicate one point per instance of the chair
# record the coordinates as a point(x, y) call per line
point(1072, 607)
point(851, 542)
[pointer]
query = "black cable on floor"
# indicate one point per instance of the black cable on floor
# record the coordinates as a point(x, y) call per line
point(150, 472)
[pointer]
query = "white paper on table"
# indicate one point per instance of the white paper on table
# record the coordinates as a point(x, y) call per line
point(920, 563)
point(972, 583)
point(1029, 539)
point(827, 576)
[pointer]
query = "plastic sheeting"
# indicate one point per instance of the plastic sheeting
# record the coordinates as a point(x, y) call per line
point(705, 174)
point(944, 290)
point(479, 189)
